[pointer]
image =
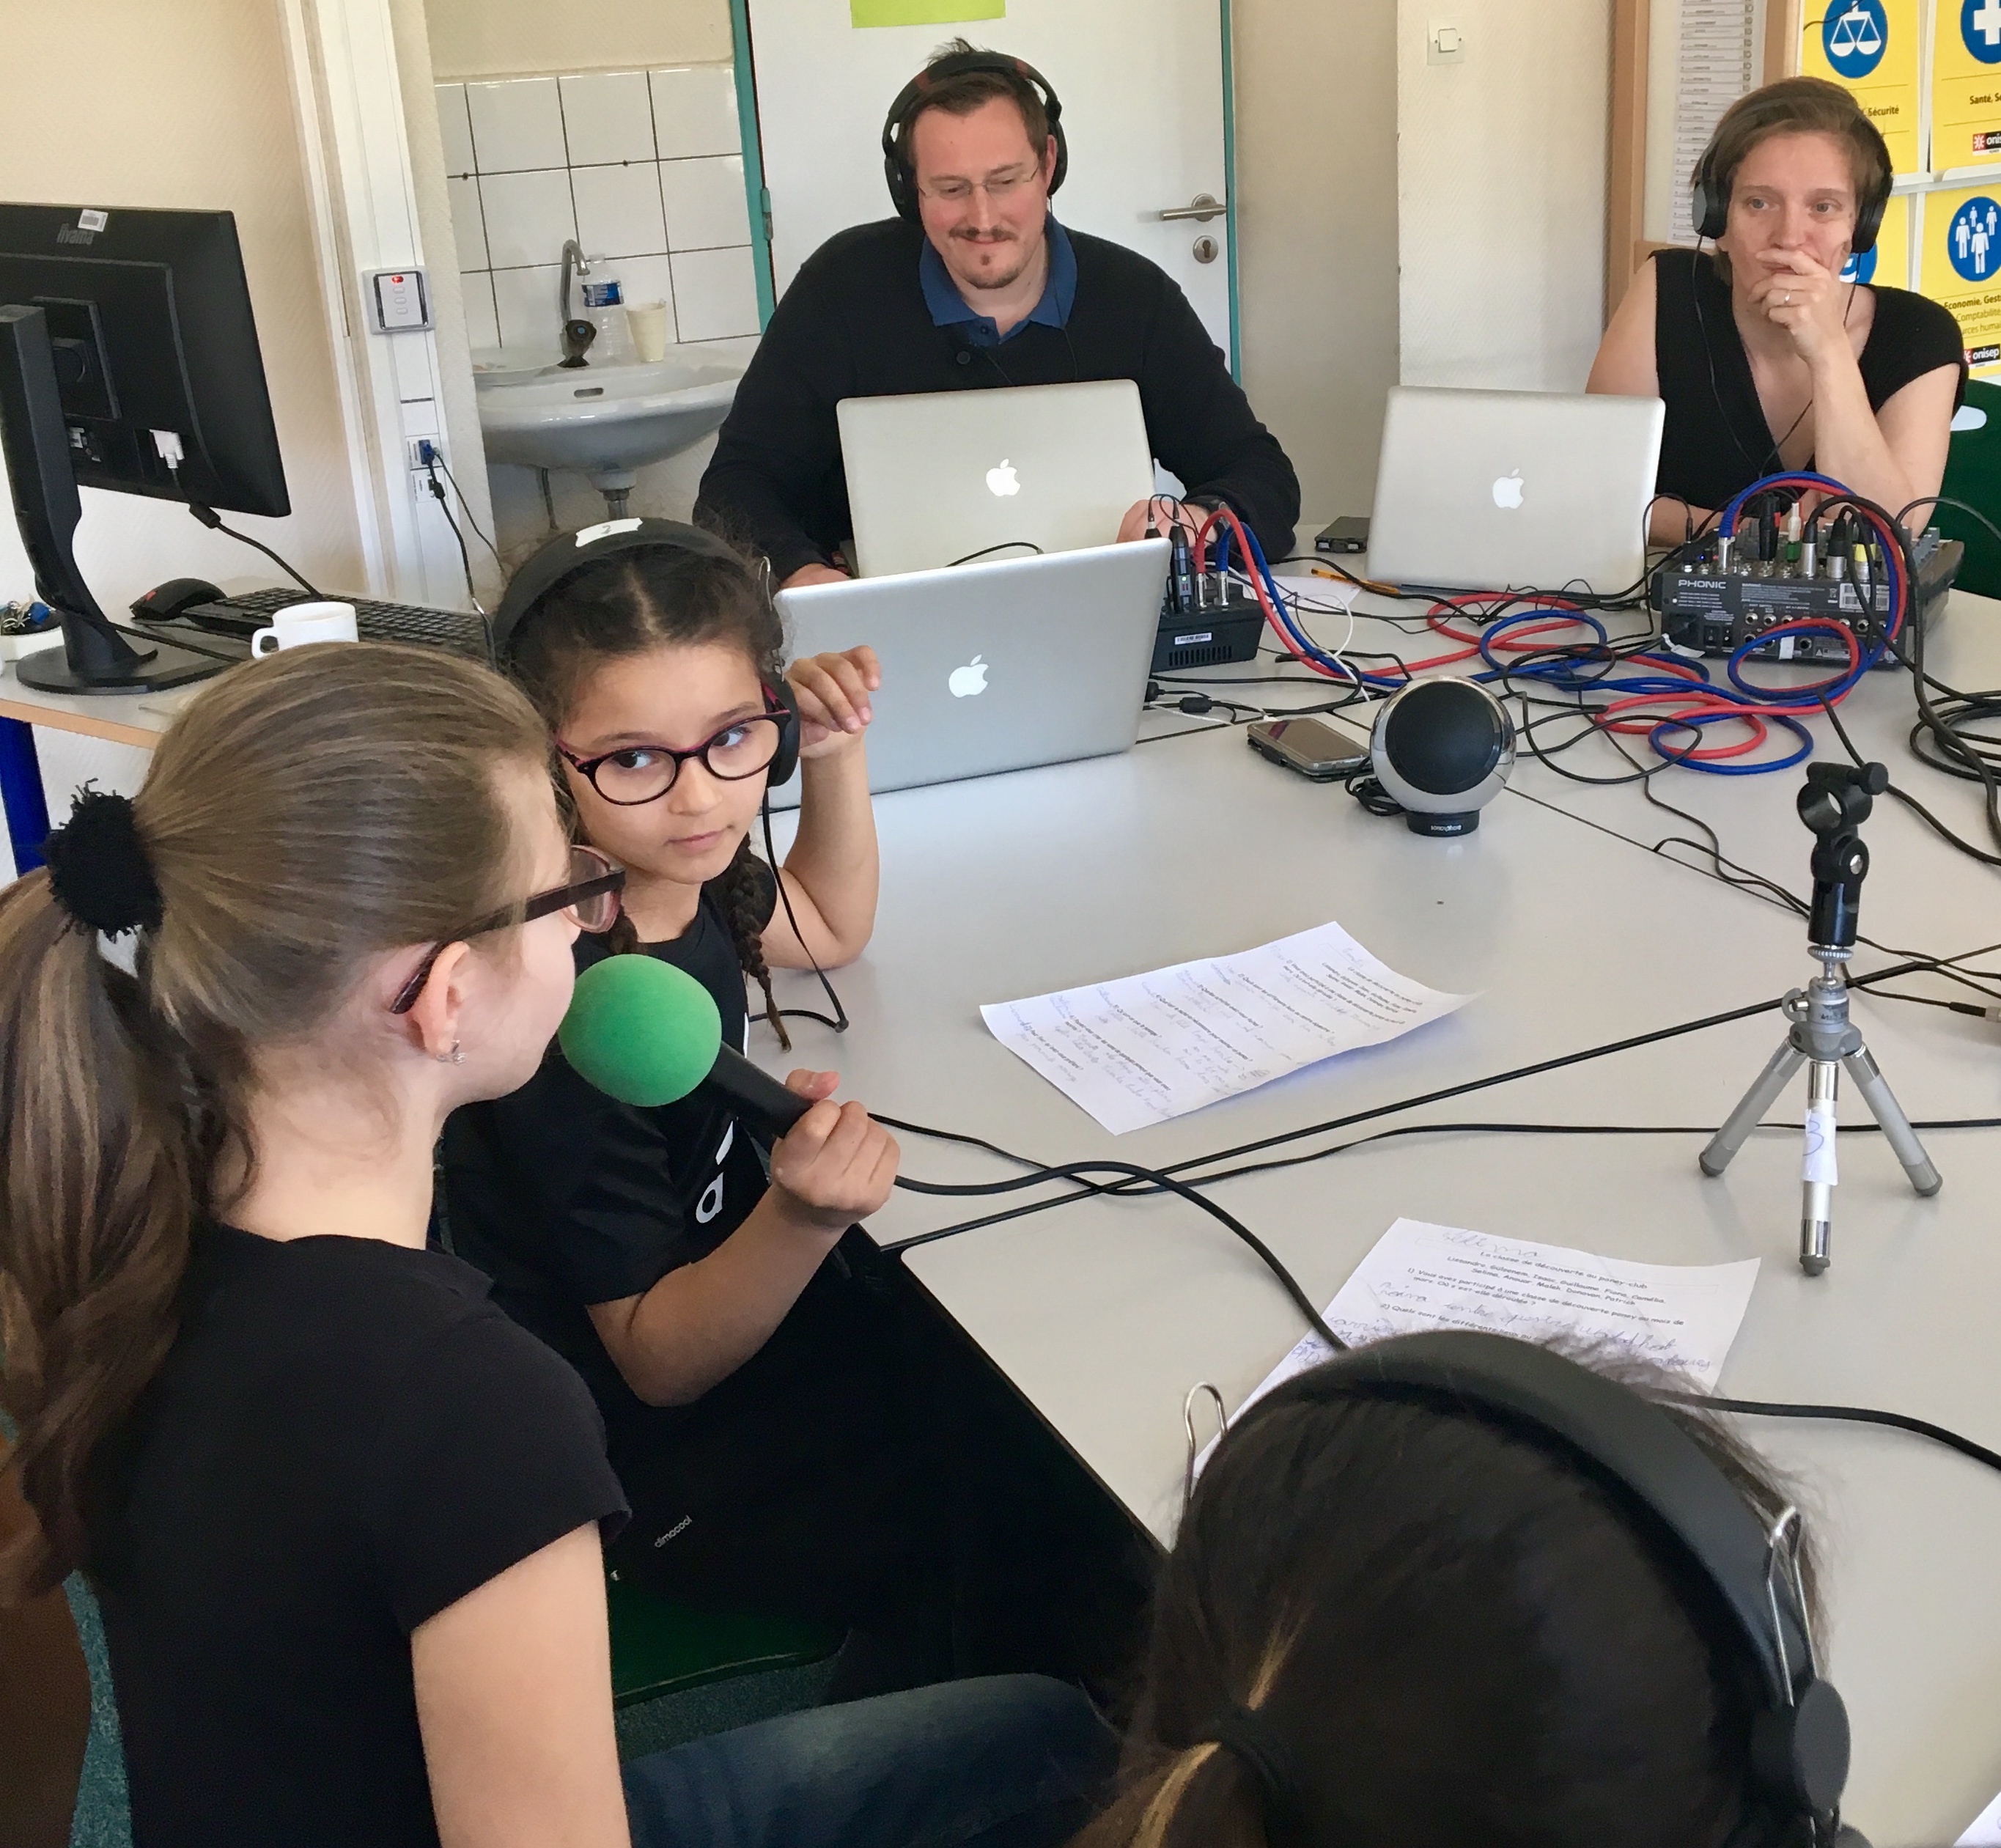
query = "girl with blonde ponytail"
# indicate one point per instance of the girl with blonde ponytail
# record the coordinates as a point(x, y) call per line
point(342, 1514)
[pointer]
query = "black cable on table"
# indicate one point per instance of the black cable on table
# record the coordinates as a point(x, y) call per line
point(1159, 1179)
point(1076, 1170)
point(1853, 1415)
point(172, 638)
point(1038, 1177)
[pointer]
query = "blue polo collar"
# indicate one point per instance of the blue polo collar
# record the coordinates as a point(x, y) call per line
point(949, 308)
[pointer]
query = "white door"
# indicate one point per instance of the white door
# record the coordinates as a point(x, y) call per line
point(1141, 82)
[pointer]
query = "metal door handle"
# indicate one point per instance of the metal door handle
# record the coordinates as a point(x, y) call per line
point(1202, 208)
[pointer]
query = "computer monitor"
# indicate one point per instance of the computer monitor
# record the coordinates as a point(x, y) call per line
point(128, 360)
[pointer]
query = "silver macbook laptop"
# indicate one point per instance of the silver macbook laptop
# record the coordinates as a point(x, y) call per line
point(1489, 490)
point(935, 476)
point(993, 667)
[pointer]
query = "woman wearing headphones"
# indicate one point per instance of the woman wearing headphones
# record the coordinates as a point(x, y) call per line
point(1768, 360)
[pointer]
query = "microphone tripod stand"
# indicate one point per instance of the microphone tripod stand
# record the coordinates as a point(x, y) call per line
point(1836, 801)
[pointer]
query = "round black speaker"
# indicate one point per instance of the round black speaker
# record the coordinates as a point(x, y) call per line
point(1442, 750)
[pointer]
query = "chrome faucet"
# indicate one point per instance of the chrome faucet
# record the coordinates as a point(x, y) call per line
point(577, 332)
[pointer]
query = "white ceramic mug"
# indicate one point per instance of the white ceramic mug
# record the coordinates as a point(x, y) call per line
point(298, 623)
point(648, 320)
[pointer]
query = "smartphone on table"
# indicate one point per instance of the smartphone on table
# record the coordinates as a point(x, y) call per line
point(1313, 749)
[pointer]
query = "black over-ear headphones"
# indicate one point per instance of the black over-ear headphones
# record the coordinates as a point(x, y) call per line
point(562, 558)
point(898, 167)
point(1709, 198)
point(1799, 1739)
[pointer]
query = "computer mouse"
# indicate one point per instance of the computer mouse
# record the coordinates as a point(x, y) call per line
point(167, 600)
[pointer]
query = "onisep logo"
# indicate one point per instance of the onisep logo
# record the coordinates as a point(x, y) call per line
point(1853, 35)
point(1861, 266)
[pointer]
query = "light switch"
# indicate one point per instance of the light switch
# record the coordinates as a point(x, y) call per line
point(401, 300)
point(1445, 43)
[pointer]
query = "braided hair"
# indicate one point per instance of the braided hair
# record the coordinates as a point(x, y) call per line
point(629, 604)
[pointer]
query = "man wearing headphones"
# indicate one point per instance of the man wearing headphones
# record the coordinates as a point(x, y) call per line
point(1772, 356)
point(974, 284)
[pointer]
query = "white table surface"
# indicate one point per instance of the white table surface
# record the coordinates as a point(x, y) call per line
point(1103, 1314)
point(123, 718)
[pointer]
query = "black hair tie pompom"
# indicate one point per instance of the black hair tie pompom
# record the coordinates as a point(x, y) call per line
point(98, 866)
point(1248, 1737)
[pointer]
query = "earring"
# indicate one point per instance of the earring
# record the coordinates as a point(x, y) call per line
point(455, 1057)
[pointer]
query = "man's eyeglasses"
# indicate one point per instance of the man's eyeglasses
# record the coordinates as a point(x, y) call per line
point(998, 187)
point(591, 898)
point(643, 773)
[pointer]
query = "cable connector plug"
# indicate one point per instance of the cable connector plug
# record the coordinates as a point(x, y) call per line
point(1182, 569)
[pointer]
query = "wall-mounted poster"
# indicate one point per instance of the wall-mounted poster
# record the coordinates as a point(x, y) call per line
point(1962, 267)
point(1870, 48)
point(1966, 83)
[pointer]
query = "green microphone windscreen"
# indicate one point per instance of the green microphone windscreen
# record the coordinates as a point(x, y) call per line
point(641, 1030)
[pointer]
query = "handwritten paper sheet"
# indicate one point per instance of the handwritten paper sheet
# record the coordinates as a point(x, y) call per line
point(1421, 1277)
point(1984, 1830)
point(1145, 1047)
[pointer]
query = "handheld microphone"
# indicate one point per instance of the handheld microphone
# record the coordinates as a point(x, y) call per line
point(647, 1033)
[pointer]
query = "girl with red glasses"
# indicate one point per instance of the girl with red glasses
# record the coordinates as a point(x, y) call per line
point(731, 1326)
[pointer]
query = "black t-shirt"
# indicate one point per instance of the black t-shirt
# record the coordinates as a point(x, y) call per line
point(346, 1437)
point(567, 1197)
point(1716, 441)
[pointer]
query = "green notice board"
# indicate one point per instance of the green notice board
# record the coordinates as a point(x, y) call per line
point(923, 13)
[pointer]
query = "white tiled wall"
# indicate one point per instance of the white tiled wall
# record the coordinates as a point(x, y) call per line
point(644, 169)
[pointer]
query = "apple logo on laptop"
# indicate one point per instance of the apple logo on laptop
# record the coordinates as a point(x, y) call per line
point(967, 680)
point(1507, 490)
point(1002, 481)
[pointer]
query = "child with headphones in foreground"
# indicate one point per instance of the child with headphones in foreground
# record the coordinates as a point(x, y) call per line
point(1455, 1591)
point(727, 1324)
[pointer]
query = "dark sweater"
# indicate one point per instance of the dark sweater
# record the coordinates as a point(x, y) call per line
point(854, 324)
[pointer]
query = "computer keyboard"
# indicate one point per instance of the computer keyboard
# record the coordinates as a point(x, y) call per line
point(459, 631)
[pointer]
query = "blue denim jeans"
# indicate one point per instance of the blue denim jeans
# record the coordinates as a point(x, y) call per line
point(1010, 1761)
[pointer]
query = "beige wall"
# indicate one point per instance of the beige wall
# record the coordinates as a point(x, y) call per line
point(1502, 194)
point(139, 103)
point(190, 106)
point(514, 38)
point(1316, 218)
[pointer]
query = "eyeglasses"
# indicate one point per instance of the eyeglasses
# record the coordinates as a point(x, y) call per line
point(998, 187)
point(591, 898)
point(643, 773)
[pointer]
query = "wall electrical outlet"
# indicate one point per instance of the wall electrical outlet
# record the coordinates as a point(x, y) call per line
point(1445, 43)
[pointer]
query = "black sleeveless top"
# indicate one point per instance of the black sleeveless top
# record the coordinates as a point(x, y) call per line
point(1717, 441)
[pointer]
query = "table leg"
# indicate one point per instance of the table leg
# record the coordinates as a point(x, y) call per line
point(27, 810)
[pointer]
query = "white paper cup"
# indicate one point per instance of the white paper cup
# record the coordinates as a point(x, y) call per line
point(647, 320)
point(297, 623)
